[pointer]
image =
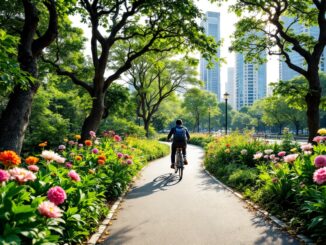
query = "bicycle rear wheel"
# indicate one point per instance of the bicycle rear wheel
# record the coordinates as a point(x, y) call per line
point(180, 172)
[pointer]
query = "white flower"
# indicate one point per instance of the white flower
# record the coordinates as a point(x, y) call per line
point(258, 155)
point(268, 151)
point(244, 152)
point(52, 156)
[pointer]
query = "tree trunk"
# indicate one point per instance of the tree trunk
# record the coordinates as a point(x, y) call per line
point(93, 121)
point(15, 118)
point(146, 127)
point(297, 128)
point(313, 100)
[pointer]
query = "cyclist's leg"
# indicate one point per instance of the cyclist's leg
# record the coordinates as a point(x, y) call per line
point(173, 151)
point(184, 153)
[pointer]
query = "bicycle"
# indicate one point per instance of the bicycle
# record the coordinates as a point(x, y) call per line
point(178, 167)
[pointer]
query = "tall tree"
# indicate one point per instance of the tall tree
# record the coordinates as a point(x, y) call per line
point(266, 17)
point(274, 112)
point(155, 78)
point(162, 25)
point(197, 102)
point(15, 117)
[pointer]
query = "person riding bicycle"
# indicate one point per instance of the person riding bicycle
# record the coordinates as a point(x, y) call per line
point(180, 138)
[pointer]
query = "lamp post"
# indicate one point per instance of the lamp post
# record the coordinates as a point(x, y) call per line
point(226, 96)
point(209, 120)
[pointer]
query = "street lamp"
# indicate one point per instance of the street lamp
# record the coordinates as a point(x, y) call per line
point(226, 96)
point(209, 120)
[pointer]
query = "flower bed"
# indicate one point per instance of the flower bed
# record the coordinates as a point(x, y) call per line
point(60, 197)
point(290, 184)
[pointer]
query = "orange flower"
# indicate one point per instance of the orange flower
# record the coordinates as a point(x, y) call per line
point(31, 160)
point(9, 158)
point(100, 161)
point(88, 142)
point(77, 137)
point(78, 158)
point(44, 144)
point(101, 157)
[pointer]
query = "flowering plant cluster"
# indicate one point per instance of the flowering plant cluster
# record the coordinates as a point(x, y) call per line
point(289, 181)
point(65, 191)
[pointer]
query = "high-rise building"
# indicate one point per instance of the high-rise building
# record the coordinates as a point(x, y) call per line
point(211, 76)
point(251, 82)
point(230, 87)
point(287, 73)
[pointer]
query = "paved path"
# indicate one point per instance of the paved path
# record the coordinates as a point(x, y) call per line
point(196, 211)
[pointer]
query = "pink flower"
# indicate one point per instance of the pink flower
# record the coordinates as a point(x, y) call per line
point(258, 155)
point(21, 175)
point(4, 176)
point(320, 161)
point(95, 151)
point(74, 176)
point(61, 147)
point(320, 176)
point(319, 139)
point(290, 158)
point(272, 157)
point(57, 195)
point(71, 142)
point(281, 154)
point(49, 209)
point(306, 147)
point(92, 134)
point(129, 161)
point(68, 164)
point(117, 138)
point(266, 156)
point(119, 155)
point(33, 168)
point(80, 145)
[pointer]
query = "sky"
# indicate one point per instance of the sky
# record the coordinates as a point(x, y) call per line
point(227, 21)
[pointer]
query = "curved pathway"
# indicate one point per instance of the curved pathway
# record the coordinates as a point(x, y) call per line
point(197, 210)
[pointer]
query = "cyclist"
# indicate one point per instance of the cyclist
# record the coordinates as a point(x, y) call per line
point(180, 138)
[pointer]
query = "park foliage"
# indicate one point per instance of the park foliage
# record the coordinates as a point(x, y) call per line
point(60, 197)
point(287, 179)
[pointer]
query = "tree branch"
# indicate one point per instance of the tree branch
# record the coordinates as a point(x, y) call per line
point(71, 75)
point(52, 31)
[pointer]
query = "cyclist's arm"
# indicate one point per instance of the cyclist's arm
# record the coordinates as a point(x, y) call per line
point(170, 134)
point(188, 135)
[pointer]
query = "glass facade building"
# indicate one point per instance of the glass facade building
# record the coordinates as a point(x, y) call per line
point(250, 82)
point(211, 76)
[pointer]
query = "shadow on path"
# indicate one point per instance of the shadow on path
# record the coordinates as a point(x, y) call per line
point(272, 233)
point(160, 183)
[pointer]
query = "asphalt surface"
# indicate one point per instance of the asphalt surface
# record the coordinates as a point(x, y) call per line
point(161, 210)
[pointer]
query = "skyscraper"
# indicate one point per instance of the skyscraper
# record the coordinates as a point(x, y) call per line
point(287, 73)
point(211, 76)
point(251, 82)
point(230, 87)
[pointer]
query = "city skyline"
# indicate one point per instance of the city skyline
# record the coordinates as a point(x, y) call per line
point(211, 76)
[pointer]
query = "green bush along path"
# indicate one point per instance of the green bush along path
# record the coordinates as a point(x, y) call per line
point(197, 210)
